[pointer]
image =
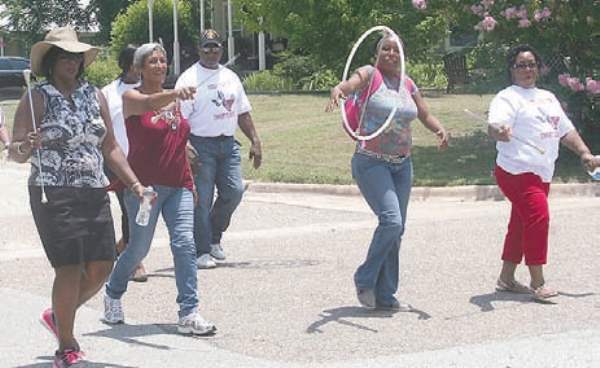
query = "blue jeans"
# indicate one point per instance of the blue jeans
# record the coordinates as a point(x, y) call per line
point(220, 166)
point(177, 207)
point(386, 188)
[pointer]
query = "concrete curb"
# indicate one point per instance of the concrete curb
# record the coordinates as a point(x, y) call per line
point(466, 192)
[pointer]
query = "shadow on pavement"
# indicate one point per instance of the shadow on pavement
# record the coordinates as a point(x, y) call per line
point(337, 315)
point(263, 264)
point(85, 363)
point(484, 301)
point(129, 334)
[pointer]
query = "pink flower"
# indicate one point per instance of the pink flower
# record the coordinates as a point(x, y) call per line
point(592, 86)
point(419, 4)
point(544, 70)
point(524, 23)
point(521, 13)
point(540, 15)
point(488, 23)
point(477, 9)
point(575, 84)
point(563, 79)
point(510, 13)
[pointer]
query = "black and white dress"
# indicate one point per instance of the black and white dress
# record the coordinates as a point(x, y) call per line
point(75, 226)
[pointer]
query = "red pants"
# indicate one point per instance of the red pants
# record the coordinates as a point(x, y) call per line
point(529, 218)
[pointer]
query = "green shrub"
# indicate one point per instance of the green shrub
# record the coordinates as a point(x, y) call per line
point(321, 80)
point(294, 67)
point(131, 26)
point(267, 81)
point(427, 75)
point(102, 71)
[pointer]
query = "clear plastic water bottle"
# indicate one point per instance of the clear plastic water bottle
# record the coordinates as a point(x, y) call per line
point(595, 174)
point(143, 215)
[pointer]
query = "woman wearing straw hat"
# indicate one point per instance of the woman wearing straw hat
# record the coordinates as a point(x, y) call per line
point(67, 184)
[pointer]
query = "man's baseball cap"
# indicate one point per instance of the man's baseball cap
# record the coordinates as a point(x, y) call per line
point(210, 37)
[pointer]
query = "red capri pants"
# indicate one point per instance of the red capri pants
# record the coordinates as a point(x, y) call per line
point(529, 217)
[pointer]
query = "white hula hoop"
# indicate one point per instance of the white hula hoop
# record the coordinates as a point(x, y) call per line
point(345, 76)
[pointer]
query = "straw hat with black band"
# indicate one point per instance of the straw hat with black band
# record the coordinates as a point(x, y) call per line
point(66, 39)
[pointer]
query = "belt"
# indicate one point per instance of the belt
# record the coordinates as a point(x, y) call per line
point(218, 137)
point(395, 159)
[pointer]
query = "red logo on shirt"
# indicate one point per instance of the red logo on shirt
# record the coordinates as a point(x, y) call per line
point(221, 100)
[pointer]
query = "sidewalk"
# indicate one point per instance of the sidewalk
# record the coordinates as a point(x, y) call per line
point(285, 298)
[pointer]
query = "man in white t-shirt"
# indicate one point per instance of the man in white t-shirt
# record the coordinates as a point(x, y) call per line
point(220, 106)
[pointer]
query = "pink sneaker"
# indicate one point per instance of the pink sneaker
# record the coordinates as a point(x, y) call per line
point(47, 320)
point(67, 358)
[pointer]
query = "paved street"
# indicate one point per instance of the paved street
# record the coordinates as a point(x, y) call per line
point(285, 297)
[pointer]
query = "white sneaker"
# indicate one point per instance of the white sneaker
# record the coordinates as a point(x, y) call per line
point(194, 324)
point(216, 251)
point(113, 311)
point(206, 261)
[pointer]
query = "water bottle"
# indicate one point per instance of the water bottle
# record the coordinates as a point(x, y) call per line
point(143, 215)
point(596, 173)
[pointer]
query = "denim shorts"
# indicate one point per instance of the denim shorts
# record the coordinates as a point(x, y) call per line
point(75, 226)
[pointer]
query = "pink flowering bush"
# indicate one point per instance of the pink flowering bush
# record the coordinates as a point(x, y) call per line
point(419, 4)
point(565, 33)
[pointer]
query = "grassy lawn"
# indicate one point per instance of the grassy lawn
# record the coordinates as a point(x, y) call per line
point(303, 144)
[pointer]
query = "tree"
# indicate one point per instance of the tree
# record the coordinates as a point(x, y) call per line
point(327, 29)
point(565, 33)
point(131, 27)
point(106, 11)
point(31, 18)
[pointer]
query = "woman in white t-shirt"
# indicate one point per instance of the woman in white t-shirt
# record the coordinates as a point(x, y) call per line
point(128, 79)
point(524, 173)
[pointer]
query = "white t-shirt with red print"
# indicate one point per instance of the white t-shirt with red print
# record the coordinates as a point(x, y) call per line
point(218, 101)
point(536, 116)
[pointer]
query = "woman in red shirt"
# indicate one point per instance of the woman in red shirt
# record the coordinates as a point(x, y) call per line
point(158, 134)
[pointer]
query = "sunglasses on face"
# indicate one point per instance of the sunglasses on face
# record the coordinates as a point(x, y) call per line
point(77, 56)
point(524, 66)
point(208, 50)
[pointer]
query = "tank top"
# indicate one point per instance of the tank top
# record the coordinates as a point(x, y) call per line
point(396, 140)
point(72, 133)
point(157, 155)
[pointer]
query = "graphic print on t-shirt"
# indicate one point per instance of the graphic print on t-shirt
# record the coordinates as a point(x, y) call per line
point(221, 100)
point(227, 103)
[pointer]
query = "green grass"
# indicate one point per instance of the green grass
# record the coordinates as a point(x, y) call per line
point(303, 144)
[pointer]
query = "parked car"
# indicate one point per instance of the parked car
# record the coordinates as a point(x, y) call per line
point(11, 71)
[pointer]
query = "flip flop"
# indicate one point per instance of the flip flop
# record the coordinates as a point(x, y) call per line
point(512, 287)
point(543, 293)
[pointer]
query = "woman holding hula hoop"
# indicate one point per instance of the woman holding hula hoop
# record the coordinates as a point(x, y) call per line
point(382, 165)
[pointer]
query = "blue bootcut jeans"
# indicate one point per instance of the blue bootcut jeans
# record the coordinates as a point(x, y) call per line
point(220, 166)
point(386, 188)
point(177, 208)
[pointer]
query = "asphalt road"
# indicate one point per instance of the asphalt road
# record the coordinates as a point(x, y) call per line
point(285, 297)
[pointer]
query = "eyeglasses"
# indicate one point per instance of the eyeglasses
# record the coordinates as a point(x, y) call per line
point(76, 56)
point(525, 66)
point(213, 49)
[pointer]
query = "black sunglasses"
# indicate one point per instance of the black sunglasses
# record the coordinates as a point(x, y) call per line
point(524, 66)
point(213, 49)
